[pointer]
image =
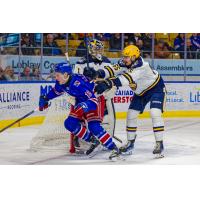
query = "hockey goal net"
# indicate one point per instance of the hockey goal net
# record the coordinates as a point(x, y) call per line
point(52, 134)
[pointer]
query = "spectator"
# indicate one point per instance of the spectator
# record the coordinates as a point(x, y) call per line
point(189, 53)
point(147, 39)
point(73, 36)
point(139, 44)
point(50, 47)
point(36, 74)
point(81, 50)
point(107, 36)
point(59, 36)
point(130, 38)
point(26, 74)
point(26, 45)
point(81, 36)
point(179, 43)
point(161, 50)
point(147, 44)
point(9, 74)
point(115, 42)
point(51, 76)
point(99, 36)
point(195, 45)
point(2, 76)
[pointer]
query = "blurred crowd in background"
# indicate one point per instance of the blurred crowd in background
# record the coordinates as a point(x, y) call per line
point(165, 45)
point(156, 46)
point(28, 74)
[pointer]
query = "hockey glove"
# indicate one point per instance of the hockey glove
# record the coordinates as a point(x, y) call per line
point(101, 73)
point(43, 103)
point(85, 107)
point(90, 73)
point(104, 85)
point(81, 108)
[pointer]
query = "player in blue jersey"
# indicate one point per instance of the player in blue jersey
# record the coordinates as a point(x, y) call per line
point(86, 106)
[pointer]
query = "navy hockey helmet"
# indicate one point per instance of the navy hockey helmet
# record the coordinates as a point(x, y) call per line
point(63, 67)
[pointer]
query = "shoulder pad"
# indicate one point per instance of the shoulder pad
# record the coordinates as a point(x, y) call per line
point(105, 59)
point(121, 63)
point(82, 60)
point(138, 63)
point(76, 80)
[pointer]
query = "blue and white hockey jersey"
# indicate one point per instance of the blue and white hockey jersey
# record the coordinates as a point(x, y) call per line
point(103, 64)
point(77, 86)
point(139, 76)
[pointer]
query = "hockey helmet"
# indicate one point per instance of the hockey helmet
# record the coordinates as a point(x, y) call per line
point(63, 67)
point(131, 51)
point(96, 48)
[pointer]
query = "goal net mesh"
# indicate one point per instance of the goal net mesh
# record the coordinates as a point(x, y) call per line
point(52, 134)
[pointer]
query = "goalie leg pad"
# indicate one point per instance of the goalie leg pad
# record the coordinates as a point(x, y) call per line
point(75, 127)
point(131, 124)
point(104, 137)
point(158, 123)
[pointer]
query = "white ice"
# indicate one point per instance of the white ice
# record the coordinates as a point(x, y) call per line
point(181, 141)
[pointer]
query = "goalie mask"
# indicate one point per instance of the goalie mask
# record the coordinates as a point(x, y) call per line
point(96, 49)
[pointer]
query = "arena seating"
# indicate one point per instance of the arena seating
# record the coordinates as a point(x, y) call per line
point(74, 43)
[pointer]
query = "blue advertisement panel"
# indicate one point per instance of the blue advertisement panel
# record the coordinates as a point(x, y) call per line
point(176, 66)
point(163, 66)
point(20, 98)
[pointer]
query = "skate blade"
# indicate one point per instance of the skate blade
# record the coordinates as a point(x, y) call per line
point(127, 153)
point(79, 151)
point(95, 152)
point(117, 158)
point(158, 156)
point(105, 149)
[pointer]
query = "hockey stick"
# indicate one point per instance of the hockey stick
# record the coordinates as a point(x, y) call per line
point(18, 120)
point(87, 52)
point(67, 56)
point(116, 138)
point(114, 113)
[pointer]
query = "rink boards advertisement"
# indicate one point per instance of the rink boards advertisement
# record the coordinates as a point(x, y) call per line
point(18, 99)
point(46, 63)
point(180, 96)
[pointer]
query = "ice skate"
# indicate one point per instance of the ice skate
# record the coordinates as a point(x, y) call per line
point(128, 148)
point(115, 155)
point(93, 147)
point(158, 150)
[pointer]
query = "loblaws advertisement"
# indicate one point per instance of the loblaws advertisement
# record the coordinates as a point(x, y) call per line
point(20, 98)
point(46, 63)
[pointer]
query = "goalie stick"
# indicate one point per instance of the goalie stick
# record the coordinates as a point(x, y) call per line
point(72, 148)
point(87, 51)
point(114, 113)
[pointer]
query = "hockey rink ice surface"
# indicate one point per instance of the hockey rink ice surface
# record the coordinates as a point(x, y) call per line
point(181, 140)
